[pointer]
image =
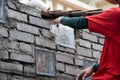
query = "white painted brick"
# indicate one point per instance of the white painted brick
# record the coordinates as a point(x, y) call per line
point(3, 76)
point(29, 69)
point(26, 47)
point(60, 67)
point(64, 58)
point(39, 22)
point(96, 54)
point(30, 10)
point(11, 4)
point(17, 15)
point(11, 67)
point(79, 62)
point(72, 70)
point(84, 43)
point(77, 71)
point(14, 77)
point(22, 36)
point(99, 35)
point(101, 40)
point(46, 33)
point(86, 30)
point(66, 49)
point(13, 45)
point(89, 36)
point(45, 43)
point(3, 31)
point(84, 52)
point(4, 54)
point(29, 78)
point(28, 28)
point(97, 46)
point(21, 57)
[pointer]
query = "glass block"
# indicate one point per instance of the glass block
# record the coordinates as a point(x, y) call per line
point(65, 36)
point(45, 62)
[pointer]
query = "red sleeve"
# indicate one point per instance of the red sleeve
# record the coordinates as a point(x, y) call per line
point(104, 23)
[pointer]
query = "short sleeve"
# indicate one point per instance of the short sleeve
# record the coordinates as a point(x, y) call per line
point(104, 23)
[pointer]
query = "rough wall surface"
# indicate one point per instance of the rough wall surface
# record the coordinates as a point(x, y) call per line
point(24, 31)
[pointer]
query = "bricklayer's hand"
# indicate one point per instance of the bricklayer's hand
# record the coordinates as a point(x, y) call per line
point(56, 20)
point(84, 74)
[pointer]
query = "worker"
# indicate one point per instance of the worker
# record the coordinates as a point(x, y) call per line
point(108, 24)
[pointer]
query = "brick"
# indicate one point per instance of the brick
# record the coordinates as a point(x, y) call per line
point(68, 54)
point(79, 57)
point(90, 37)
point(84, 43)
point(69, 69)
point(39, 22)
point(29, 79)
point(3, 31)
point(46, 33)
point(15, 78)
point(4, 54)
point(21, 57)
point(96, 54)
point(26, 47)
point(97, 46)
point(17, 15)
point(72, 70)
point(45, 43)
point(19, 77)
point(88, 62)
point(86, 30)
point(84, 52)
point(64, 58)
point(77, 71)
point(60, 67)
point(3, 43)
point(30, 10)
point(29, 70)
point(22, 36)
point(13, 45)
point(12, 23)
point(64, 77)
point(99, 35)
point(28, 28)
point(101, 40)
point(11, 67)
point(3, 76)
point(11, 4)
point(79, 62)
point(66, 49)
point(45, 78)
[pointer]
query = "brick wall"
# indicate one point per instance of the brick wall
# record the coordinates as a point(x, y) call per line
point(24, 31)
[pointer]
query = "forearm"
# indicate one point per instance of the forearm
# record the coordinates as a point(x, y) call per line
point(75, 22)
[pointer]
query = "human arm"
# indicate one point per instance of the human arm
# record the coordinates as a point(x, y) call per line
point(73, 22)
point(105, 23)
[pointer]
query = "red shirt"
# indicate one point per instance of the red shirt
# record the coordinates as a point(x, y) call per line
point(108, 24)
